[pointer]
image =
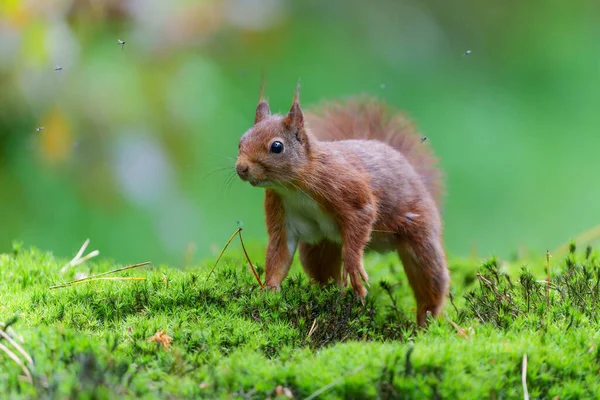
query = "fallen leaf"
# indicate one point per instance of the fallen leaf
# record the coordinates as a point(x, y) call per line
point(161, 337)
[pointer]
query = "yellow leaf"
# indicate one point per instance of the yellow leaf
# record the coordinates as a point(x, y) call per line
point(161, 337)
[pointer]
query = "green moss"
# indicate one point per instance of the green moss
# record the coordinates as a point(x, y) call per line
point(231, 339)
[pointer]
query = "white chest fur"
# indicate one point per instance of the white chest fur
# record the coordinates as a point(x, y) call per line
point(305, 219)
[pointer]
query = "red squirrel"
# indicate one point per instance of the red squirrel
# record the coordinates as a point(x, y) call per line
point(349, 177)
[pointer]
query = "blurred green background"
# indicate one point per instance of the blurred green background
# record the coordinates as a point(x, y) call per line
point(137, 139)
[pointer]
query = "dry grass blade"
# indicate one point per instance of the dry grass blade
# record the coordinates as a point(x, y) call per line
point(332, 384)
point(81, 250)
point(524, 378)
point(484, 280)
point(250, 262)
point(16, 359)
point(237, 232)
point(223, 251)
point(78, 259)
point(312, 328)
point(16, 346)
point(93, 277)
point(127, 278)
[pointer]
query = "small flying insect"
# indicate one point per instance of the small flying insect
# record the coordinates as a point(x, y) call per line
point(58, 68)
point(121, 43)
point(468, 53)
point(424, 138)
point(40, 128)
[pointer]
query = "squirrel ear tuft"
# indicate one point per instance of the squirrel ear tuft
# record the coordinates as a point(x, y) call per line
point(262, 111)
point(295, 118)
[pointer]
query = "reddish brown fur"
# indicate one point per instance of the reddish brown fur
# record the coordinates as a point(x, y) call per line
point(368, 118)
point(335, 198)
point(322, 261)
point(277, 251)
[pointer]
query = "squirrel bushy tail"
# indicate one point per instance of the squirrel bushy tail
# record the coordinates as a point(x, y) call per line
point(369, 118)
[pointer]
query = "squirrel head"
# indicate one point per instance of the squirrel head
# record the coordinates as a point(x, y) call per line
point(275, 149)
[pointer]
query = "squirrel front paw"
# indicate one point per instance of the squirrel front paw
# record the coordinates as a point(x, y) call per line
point(357, 276)
point(273, 287)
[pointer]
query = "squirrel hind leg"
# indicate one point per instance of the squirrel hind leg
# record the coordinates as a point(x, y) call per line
point(322, 261)
point(425, 266)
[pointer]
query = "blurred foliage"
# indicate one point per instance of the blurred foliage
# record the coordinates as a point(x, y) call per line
point(137, 140)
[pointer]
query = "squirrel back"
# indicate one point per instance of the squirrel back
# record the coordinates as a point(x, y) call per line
point(371, 119)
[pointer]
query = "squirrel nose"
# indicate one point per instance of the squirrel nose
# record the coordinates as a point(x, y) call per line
point(242, 170)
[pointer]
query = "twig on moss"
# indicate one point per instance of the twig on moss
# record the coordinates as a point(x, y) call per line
point(127, 278)
point(223, 251)
point(237, 232)
point(93, 277)
point(250, 262)
point(484, 280)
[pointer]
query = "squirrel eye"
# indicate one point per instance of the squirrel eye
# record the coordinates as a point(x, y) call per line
point(276, 147)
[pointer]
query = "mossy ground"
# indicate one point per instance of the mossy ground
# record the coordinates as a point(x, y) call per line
point(232, 340)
